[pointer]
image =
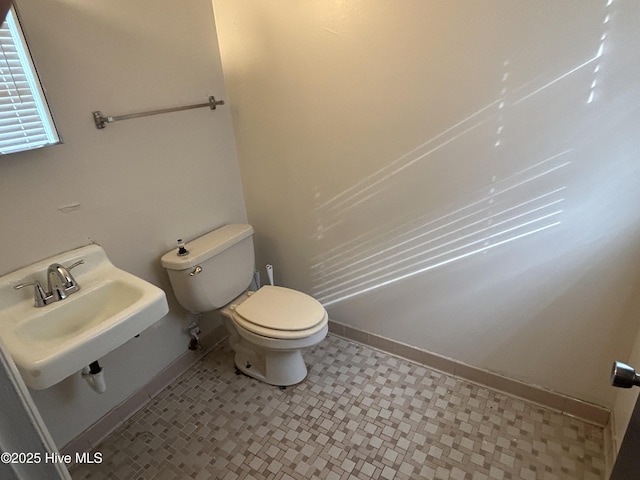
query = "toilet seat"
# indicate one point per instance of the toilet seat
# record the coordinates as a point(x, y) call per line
point(279, 312)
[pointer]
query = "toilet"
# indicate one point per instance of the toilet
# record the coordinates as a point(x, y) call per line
point(267, 328)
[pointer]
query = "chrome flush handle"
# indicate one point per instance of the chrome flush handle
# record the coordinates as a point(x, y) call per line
point(196, 271)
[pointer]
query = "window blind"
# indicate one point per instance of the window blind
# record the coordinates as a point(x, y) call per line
point(25, 119)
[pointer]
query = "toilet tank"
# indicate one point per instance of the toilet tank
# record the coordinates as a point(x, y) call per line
point(217, 269)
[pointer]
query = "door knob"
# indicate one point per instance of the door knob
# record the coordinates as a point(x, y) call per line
point(624, 376)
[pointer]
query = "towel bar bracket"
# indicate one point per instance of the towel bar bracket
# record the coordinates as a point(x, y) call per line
point(101, 120)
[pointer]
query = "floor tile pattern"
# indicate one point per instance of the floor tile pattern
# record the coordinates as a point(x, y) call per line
point(360, 414)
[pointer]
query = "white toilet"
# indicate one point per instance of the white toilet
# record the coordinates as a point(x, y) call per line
point(267, 328)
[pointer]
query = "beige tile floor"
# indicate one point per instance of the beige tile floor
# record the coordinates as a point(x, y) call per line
point(360, 414)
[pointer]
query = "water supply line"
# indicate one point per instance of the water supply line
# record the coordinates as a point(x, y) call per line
point(194, 331)
point(94, 375)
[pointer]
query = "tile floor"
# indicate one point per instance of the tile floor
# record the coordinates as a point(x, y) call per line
point(360, 414)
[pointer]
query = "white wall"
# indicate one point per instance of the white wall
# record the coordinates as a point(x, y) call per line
point(141, 184)
point(459, 176)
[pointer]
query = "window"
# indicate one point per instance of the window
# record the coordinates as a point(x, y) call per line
point(25, 119)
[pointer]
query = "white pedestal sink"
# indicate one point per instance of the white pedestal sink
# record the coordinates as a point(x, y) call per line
point(55, 341)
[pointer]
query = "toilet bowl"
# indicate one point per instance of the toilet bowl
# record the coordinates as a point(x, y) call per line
point(267, 328)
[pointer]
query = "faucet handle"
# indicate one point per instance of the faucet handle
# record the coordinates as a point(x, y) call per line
point(40, 297)
point(70, 283)
point(79, 262)
point(73, 280)
point(63, 271)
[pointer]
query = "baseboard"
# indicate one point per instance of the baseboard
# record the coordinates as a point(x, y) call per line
point(97, 432)
point(586, 411)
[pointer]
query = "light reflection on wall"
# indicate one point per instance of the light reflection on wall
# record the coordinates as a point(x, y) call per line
point(388, 256)
point(508, 207)
point(362, 191)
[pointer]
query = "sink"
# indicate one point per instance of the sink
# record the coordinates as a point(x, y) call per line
point(50, 343)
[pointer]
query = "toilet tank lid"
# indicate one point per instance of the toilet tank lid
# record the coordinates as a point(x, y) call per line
point(206, 246)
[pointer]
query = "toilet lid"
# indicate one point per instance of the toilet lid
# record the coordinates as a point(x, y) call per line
point(279, 308)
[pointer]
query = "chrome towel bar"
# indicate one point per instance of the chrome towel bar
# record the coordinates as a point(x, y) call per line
point(102, 120)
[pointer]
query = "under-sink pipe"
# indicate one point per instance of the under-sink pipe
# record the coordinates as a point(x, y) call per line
point(94, 375)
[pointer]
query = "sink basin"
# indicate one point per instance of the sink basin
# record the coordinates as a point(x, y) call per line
point(53, 342)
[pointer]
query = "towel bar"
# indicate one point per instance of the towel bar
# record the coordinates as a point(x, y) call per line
point(101, 120)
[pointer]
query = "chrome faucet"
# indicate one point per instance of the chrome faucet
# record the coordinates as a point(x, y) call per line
point(60, 284)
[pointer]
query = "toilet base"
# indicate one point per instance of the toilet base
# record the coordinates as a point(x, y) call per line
point(279, 368)
point(267, 359)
